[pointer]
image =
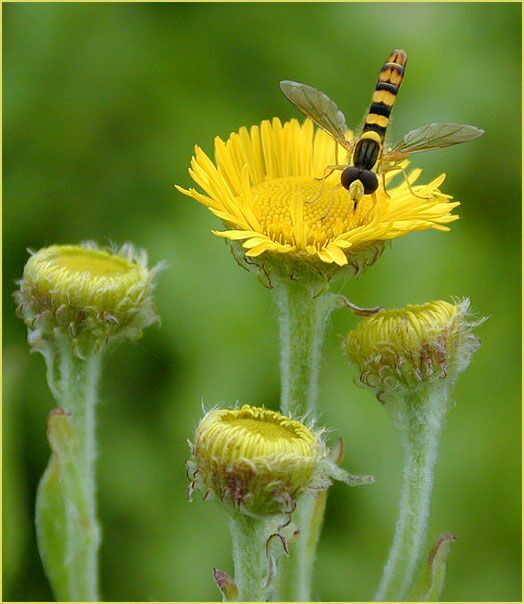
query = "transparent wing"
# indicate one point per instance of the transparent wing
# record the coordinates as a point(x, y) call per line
point(433, 136)
point(319, 108)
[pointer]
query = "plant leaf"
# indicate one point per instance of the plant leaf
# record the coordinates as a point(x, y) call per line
point(67, 534)
point(432, 575)
point(51, 529)
point(226, 584)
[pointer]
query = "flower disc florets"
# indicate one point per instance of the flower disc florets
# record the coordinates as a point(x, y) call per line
point(254, 460)
point(417, 344)
point(266, 185)
point(87, 293)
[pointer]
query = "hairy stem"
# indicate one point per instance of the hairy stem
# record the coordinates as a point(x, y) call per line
point(304, 308)
point(296, 572)
point(67, 527)
point(249, 537)
point(419, 415)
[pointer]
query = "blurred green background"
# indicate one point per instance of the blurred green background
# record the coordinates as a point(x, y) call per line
point(102, 106)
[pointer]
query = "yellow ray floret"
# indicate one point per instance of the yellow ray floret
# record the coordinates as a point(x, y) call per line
point(266, 186)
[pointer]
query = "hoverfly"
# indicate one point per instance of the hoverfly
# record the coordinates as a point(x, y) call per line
point(367, 157)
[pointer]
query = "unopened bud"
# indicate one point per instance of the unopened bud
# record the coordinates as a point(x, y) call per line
point(258, 461)
point(418, 344)
point(87, 293)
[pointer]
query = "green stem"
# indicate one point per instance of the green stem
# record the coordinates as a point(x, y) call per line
point(419, 414)
point(249, 537)
point(296, 572)
point(304, 308)
point(68, 531)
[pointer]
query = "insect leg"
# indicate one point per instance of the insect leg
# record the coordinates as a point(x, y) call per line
point(375, 200)
point(383, 175)
point(330, 204)
point(401, 169)
point(365, 215)
point(330, 169)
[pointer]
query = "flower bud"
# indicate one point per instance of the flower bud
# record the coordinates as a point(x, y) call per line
point(255, 460)
point(418, 344)
point(87, 293)
point(259, 462)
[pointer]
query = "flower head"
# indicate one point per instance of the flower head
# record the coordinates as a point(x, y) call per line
point(87, 293)
point(259, 461)
point(417, 344)
point(254, 459)
point(266, 186)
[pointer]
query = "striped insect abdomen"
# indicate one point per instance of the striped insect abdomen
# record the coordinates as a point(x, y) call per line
point(377, 120)
point(386, 90)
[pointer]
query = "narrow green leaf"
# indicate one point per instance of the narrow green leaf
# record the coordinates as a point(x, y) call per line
point(432, 575)
point(67, 534)
point(51, 529)
point(226, 584)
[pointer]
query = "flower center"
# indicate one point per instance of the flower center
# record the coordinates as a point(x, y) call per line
point(408, 329)
point(94, 262)
point(269, 431)
point(84, 277)
point(415, 321)
point(252, 432)
point(324, 207)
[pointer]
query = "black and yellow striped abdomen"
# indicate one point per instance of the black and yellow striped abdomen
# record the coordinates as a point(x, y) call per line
point(386, 90)
point(368, 147)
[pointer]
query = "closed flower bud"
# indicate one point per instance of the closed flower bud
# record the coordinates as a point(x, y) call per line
point(90, 294)
point(258, 461)
point(407, 347)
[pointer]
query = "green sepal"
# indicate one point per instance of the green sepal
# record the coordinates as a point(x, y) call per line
point(430, 582)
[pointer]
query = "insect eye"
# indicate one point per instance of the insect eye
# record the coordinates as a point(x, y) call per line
point(369, 180)
point(349, 175)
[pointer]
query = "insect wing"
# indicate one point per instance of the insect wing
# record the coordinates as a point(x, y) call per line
point(433, 136)
point(319, 108)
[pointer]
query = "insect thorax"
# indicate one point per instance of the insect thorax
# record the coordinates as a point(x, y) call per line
point(366, 153)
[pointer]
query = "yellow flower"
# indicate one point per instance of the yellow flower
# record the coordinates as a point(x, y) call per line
point(416, 344)
point(86, 292)
point(266, 186)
